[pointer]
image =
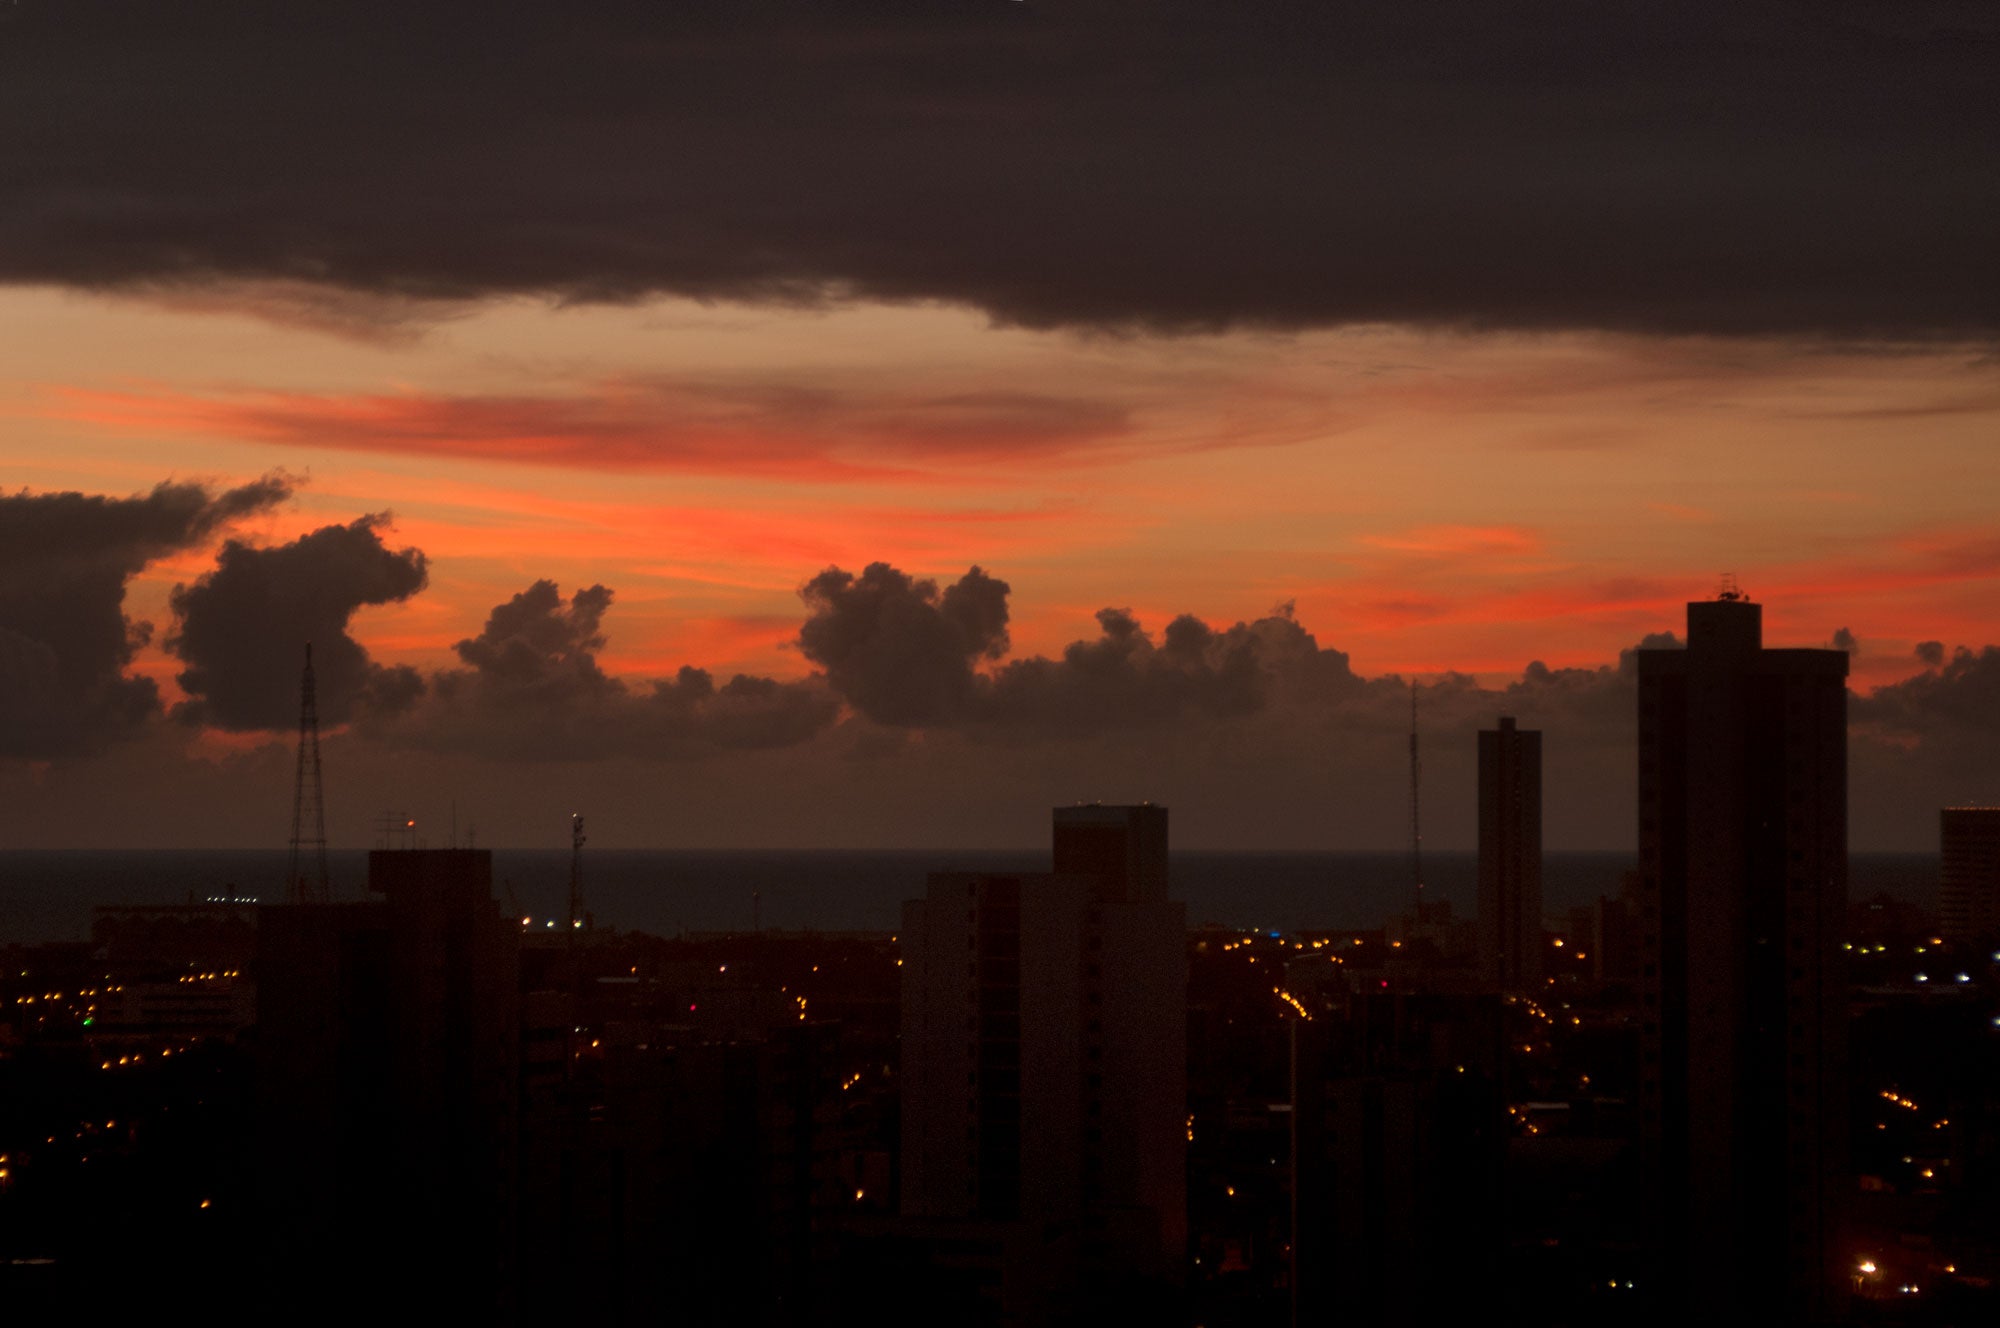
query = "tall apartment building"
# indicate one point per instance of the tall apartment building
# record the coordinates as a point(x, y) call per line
point(1969, 874)
point(1510, 856)
point(1044, 1058)
point(387, 1108)
point(1742, 894)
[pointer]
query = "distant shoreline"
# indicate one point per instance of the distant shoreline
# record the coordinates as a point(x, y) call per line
point(48, 895)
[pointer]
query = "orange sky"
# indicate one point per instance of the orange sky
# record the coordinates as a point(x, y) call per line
point(1430, 501)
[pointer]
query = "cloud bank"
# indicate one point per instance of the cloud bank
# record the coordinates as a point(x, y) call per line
point(1704, 167)
point(533, 690)
point(908, 674)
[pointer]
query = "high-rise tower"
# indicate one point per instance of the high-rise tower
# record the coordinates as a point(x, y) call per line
point(1743, 892)
point(1044, 1050)
point(1510, 856)
point(1969, 874)
point(306, 878)
point(387, 1104)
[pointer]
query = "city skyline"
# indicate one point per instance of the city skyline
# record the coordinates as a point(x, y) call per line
point(1514, 484)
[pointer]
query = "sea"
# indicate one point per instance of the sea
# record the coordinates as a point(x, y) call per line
point(49, 896)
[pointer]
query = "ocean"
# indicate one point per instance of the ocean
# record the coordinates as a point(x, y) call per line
point(48, 896)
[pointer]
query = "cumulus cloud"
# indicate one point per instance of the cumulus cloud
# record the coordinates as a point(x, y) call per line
point(538, 649)
point(898, 650)
point(1095, 163)
point(1953, 701)
point(904, 653)
point(1928, 740)
point(65, 640)
point(242, 628)
point(1123, 679)
point(533, 689)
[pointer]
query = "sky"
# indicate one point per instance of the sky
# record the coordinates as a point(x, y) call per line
point(792, 425)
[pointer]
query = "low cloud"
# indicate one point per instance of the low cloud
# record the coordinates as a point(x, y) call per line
point(905, 654)
point(533, 689)
point(241, 629)
point(895, 648)
point(1953, 702)
point(65, 640)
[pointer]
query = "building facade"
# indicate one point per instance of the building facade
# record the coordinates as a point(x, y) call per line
point(1969, 874)
point(1044, 1048)
point(1510, 856)
point(387, 1092)
point(1742, 896)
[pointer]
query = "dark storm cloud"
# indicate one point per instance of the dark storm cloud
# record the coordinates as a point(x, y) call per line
point(242, 628)
point(64, 638)
point(1700, 167)
point(533, 689)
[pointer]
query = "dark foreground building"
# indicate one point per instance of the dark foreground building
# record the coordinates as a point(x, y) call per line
point(387, 1094)
point(1743, 893)
point(1510, 857)
point(1044, 1076)
point(1969, 874)
point(1397, 1149)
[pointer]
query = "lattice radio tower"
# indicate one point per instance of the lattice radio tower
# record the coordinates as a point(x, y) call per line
point(307, 876)
point(1416, 813)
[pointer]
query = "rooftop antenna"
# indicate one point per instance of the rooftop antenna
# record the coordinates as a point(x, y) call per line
point(1416, 812)
point(575, 873)
point(306, 874)
point(398, 830)
point(1729, 591)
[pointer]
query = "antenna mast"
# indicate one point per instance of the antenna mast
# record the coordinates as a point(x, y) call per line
point(575, 873)
point(1416, 810)
point(307, 873)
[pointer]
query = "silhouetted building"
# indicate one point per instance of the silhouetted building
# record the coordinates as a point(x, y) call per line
point(1969, 874)
point(1044, 1062)
point(1743, 888)
point(1397, 1149)
point(387, 1091)
point(1124, 847)
point(168, 941)
point(1614, 957)
point(1510, 856)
